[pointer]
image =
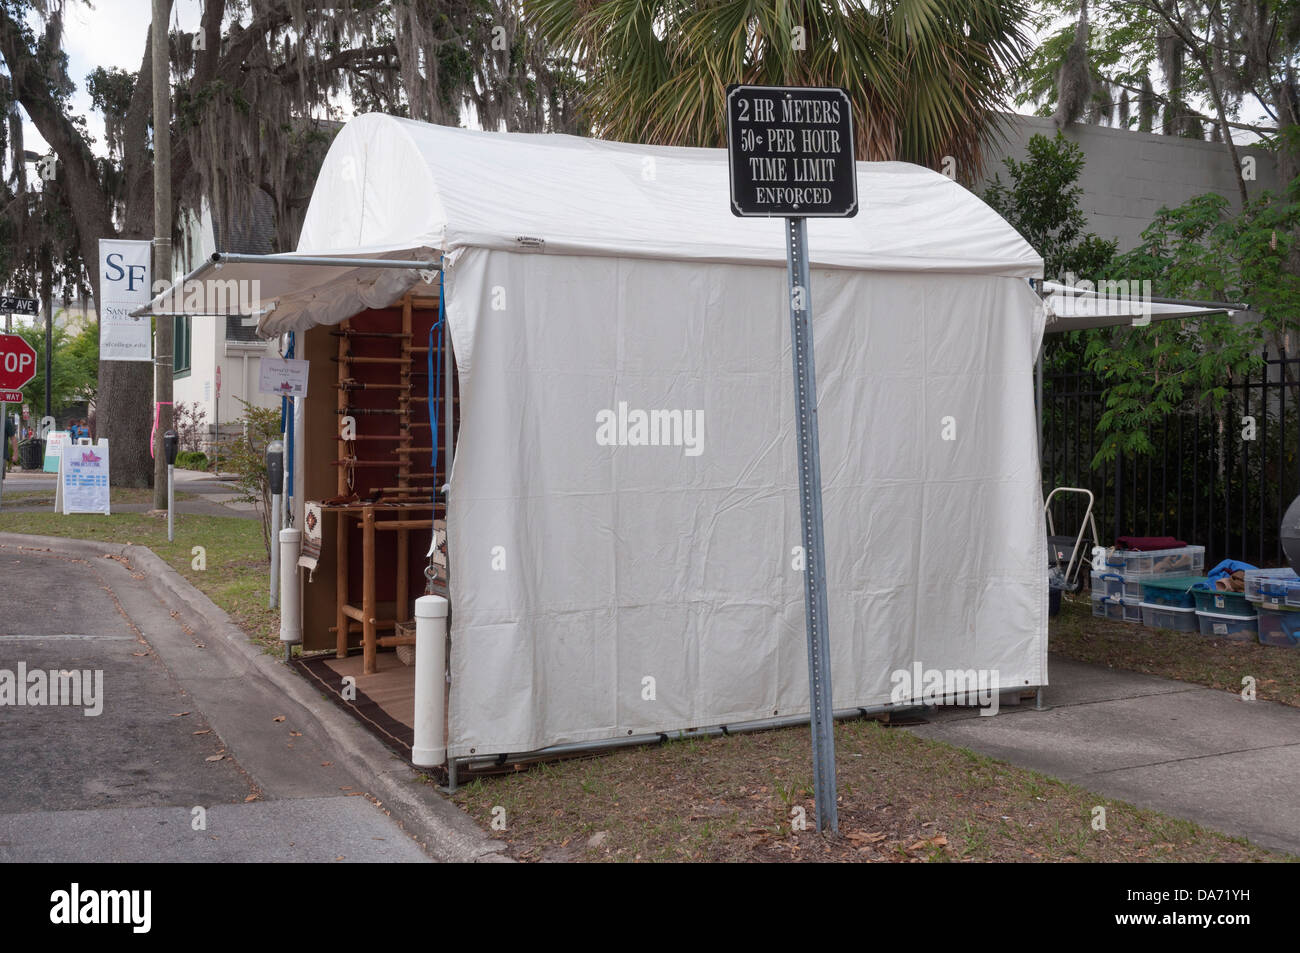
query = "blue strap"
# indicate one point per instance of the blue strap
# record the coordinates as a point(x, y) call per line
point(286, 427)
point(434, 380)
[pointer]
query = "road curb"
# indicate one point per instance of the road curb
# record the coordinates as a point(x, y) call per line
point(444, 829)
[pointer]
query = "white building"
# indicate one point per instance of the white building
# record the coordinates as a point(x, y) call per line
point(218, 359)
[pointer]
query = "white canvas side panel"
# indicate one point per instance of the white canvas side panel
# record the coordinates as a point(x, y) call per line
point(580, 569)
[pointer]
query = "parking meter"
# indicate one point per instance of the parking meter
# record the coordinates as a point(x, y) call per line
point(170, 442)
point(275, 466)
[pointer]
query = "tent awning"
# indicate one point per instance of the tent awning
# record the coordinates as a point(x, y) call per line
point(1077, 309)
point(285, 291)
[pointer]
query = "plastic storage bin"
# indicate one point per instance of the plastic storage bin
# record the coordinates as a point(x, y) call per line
point(1119, 610)
point(1170, 590)
point(1279, 627)
point(1223, 625)
point(1229, 603)
point(1184, 561)
point(1107, 608)
point(1107, 585)
point(1169, 617)
point(1273, 587)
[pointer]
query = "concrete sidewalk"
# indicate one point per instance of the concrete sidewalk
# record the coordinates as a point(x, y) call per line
point(1204, 755)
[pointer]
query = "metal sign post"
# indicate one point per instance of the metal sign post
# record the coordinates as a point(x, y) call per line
point(791, 154)
point(810, 510)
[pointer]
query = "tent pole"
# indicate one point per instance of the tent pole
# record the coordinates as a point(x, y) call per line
point(1038, 402)
point(659, 737)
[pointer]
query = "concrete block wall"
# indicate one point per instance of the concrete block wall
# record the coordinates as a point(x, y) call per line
point(1128, 176)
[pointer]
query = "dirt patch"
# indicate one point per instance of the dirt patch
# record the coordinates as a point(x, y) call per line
point(1185, 656)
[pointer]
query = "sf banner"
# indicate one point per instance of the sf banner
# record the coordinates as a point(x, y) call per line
point(124, 287)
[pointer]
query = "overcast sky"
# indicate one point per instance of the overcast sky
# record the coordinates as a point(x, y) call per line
point(106, 33)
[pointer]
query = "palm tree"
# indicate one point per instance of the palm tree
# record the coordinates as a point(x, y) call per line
point(925, 76)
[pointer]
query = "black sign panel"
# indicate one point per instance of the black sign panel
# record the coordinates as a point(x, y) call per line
point(11, 305)
point(791, 152)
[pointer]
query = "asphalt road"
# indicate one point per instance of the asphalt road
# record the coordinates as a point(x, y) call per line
point(192, 756)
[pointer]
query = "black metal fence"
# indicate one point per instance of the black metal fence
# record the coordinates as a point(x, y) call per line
point(1219, 477)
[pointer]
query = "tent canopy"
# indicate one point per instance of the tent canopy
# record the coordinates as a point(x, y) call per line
point(1077, 309)
point(396, 188)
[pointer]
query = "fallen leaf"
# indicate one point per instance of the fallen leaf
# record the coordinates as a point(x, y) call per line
point(214, 757)
point(251, 797)
point(203, 731)
point(295, 734)
point(179, 714)
point(861, 837)
point(278, 718)
point(327, 764)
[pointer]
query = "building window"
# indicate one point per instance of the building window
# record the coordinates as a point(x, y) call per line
point(237, 330)
point(181, 346)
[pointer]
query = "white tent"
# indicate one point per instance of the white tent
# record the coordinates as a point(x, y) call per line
point(588, 281)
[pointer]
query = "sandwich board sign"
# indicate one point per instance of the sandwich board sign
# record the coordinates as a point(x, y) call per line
point(82, 485)
point(55, 441)
point(791, 154)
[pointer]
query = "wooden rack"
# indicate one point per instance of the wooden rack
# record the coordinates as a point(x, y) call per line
point(385, 479)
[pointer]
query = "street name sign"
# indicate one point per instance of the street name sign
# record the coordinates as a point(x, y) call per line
point(12, 304)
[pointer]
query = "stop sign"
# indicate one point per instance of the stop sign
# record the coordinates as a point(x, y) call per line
point(17, 362)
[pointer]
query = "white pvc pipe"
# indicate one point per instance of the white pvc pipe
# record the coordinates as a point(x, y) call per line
point(430, 747)
point(290, 603)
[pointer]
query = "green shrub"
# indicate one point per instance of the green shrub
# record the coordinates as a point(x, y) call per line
point(192, 460)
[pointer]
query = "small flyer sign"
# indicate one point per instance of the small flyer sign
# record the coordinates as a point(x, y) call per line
point(283, 377)
point(55, 441)
point(83, 479)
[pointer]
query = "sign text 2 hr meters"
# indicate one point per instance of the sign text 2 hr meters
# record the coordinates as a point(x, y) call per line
point(791, 152)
